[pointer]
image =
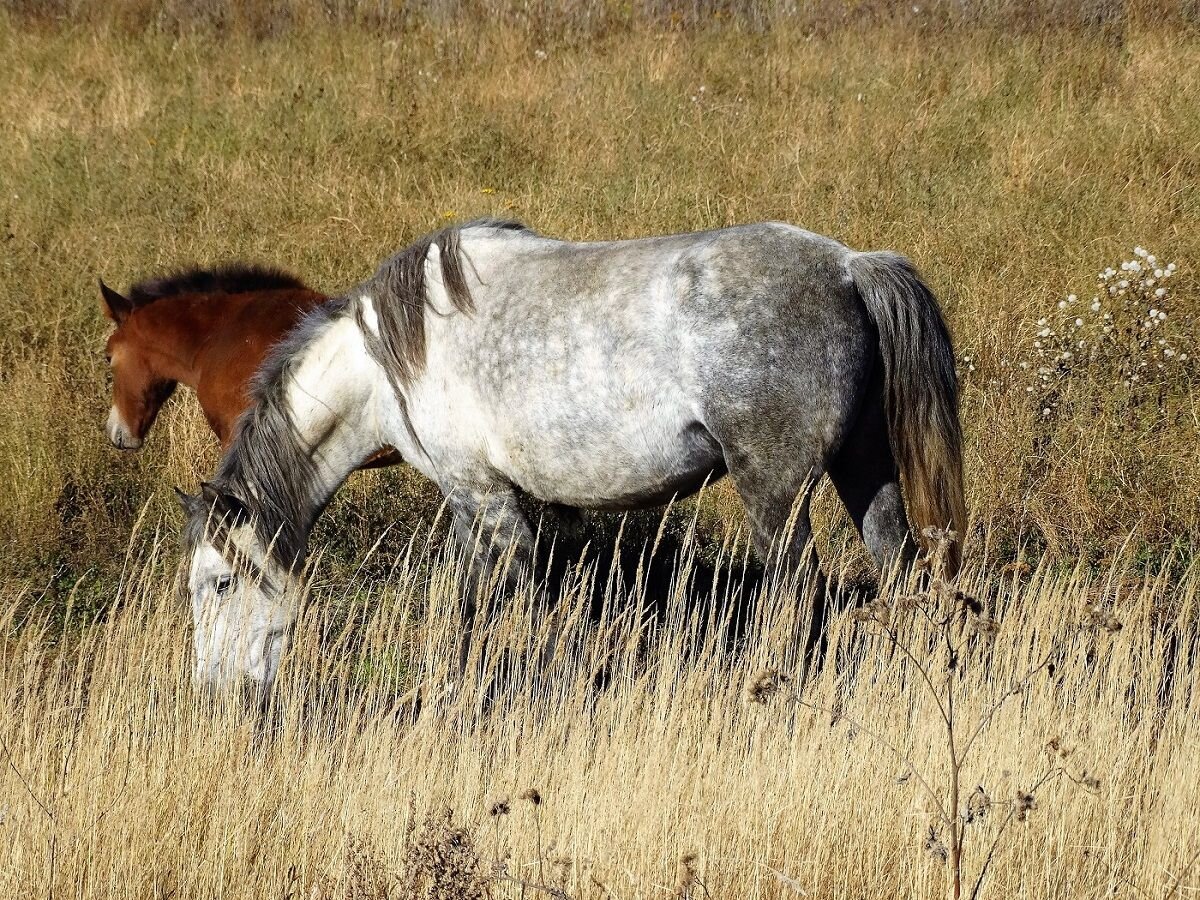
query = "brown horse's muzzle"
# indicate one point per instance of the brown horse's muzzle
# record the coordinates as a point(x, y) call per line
point(119, 434)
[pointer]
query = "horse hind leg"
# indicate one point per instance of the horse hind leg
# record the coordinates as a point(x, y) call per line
point(867, 479)
point(776, 489)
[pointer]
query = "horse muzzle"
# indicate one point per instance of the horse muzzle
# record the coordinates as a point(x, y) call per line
point(120, 435)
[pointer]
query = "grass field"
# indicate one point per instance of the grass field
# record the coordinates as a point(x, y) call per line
point(1013, 164)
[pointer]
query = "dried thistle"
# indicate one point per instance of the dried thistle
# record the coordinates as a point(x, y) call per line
point(1055, 748)
point(1099, 614)
point(878, 610)
point(440, 860)
point(942, 537)
point(935, 847)
point(685, 877)
point(499, 807)
point(971, 604)
point(1024, 803)
point(978, 805)
point(765, 684)
point(532, 795)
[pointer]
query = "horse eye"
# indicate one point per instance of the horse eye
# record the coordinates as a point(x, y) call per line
point(224, 583)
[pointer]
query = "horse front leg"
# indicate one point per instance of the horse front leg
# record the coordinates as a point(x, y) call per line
point(496, 537)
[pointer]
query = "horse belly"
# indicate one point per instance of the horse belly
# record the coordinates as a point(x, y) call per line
point(609, 459)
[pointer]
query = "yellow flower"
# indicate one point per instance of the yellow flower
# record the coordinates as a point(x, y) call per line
point(448, 214)
point(487, 190)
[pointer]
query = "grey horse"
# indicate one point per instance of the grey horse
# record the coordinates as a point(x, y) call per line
point(611, 375)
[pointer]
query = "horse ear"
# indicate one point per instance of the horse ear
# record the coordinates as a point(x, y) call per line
point(189, 503)
point(225, 504)
point(116, 306)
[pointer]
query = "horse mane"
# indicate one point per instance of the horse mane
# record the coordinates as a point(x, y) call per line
point(398, 289)
point(267, 465)
point(233, 278)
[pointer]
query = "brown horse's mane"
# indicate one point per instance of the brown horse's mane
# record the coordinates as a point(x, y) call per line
point(234, 278)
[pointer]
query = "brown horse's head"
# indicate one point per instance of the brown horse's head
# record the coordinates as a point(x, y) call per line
point(139, 387)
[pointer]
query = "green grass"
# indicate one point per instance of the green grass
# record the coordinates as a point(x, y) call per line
point(1011, 166)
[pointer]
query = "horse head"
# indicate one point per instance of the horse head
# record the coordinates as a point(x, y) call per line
point(242, 599)
point(139, 389)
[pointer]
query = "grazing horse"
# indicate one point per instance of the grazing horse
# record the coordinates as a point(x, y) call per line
point(613, 375)
point(207, 329)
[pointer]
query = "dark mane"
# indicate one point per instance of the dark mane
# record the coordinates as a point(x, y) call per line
point(234, 278)
point(398, 291)
point(268, 466)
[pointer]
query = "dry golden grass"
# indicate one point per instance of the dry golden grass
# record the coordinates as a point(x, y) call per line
point(122, 782)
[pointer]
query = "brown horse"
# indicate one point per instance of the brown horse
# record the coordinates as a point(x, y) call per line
point(207, 329)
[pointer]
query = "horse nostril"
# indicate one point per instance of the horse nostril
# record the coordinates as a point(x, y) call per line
point(118, 434)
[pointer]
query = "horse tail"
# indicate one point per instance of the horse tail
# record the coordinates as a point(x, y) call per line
point(920, 391)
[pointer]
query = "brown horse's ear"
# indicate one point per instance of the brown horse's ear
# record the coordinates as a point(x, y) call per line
point(234, 510)
point(116, 306)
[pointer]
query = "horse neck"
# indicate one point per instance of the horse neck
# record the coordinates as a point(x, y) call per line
point(323, 422)
point(177, 329)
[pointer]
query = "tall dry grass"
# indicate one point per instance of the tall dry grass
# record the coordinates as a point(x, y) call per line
point(653, 769)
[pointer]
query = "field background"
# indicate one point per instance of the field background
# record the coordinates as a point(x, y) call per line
point(1012, 150)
